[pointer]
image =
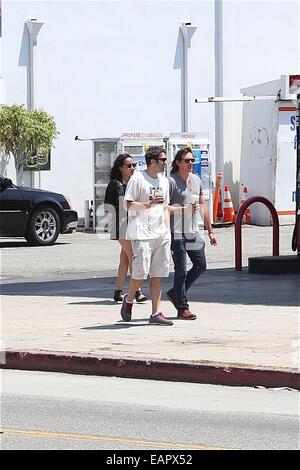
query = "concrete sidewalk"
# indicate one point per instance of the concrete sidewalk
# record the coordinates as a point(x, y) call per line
point(246, 333)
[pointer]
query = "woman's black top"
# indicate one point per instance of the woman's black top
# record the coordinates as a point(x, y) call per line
point(114, 191)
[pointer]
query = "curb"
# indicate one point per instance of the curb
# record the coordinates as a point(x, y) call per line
point(274, 265)
point(148, 369)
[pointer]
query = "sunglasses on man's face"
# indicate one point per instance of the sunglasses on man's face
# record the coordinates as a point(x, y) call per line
point(188, 160)
point(162, 160)
point(130, 165)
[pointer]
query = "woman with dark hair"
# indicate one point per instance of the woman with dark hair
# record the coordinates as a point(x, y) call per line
point(122, 170)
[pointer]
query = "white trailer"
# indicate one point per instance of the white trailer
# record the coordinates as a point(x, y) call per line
point(269, 149)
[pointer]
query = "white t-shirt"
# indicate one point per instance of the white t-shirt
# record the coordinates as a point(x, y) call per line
point(147, 224)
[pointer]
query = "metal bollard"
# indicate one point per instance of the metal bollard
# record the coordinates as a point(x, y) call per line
point(86, 215)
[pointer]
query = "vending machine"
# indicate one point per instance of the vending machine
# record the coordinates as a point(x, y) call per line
point(200, 145)
point(137, 144)
point(105, 151)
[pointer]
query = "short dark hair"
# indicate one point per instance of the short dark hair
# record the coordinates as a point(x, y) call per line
point(153, 153)
point(181, 153)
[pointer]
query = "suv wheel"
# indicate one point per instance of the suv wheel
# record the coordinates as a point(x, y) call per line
point(43, 227)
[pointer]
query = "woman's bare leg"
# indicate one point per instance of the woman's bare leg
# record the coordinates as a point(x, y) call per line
point(126, 246)
point(123, 265)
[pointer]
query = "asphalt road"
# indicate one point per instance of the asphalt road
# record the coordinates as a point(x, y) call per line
point(60, 411)
point(86, 254)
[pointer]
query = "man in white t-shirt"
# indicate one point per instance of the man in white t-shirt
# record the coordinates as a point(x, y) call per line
point(147, 199)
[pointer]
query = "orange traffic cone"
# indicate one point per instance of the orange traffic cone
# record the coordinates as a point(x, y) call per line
point(217, 206)
point(247, 216)
point(228, 206)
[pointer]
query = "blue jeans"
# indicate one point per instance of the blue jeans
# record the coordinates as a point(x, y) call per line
point(183, 279)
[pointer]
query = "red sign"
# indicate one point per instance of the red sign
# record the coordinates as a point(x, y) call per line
point(294, 81)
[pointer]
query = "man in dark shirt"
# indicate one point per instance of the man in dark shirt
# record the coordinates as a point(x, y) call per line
point(186, 191)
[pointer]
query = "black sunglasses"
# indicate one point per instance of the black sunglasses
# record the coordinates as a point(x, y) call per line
point(162, 160)
point(130, 165)
point(188, 160)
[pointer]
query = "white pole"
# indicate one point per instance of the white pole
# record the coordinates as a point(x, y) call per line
point(229, 99)
point(187, 32)
point(219, 138)
point(33, 27)
point(1, 77)
point(185, 81)
point(86, 215)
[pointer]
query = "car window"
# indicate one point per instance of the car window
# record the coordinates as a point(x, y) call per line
point(2, 179)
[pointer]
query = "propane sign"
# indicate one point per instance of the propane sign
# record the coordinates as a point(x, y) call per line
point(138, 143)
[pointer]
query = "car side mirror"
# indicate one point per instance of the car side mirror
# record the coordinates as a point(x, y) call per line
point(6, 183)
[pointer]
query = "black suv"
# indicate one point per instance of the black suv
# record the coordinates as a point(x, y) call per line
point(39, 216)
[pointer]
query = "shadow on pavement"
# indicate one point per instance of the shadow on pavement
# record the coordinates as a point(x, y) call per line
point(117, 326)
point(22, 244)
point(121, 325)
point(96, 302)
point(224, 286)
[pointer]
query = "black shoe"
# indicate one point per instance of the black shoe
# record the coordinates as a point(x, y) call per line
point(118, 297)
point(139, 296)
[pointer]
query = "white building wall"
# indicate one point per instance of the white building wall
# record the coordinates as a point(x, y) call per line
point(107, 67)
point(261, 43)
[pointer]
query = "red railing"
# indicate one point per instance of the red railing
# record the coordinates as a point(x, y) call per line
point(238, 228)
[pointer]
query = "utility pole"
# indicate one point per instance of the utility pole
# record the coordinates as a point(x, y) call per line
point(33, 28)
point(187, 31)
point(296, 234)
point(219, 139)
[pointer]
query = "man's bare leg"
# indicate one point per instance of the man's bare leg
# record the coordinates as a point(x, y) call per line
point(155, 289)
point(133, 287)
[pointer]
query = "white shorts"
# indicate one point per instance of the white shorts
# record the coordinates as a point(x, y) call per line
point(151, 257)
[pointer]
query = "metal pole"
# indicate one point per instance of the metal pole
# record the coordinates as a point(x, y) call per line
point(33, 27)
point(296, 233)
point(187, 31)
point(1, 77)
point(185, 85)
point(219, 140)
point(230, 99)
point(86, 215)
point(238, 228)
